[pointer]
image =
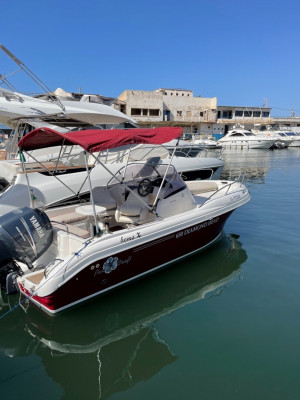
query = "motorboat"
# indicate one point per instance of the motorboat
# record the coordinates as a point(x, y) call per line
point(208, 142)
point(245, 139)
point(25, 113)
point(284, 137)
point(292, 138)
point(194, 148)
point(281, 141)
point(15, 105)
point(143, 219)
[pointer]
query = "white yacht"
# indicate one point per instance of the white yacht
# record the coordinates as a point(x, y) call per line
point(285, 137)
point(289, 138)
point(243, 138)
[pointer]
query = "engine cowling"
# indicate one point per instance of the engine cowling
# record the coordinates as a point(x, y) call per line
point(25, 234)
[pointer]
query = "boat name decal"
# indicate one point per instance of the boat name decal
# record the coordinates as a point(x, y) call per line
point(235, 197)
point(196, 228)
point(110, 265)
point(137, 235)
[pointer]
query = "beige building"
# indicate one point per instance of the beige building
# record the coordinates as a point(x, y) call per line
point(196, 115)
point(172, 107)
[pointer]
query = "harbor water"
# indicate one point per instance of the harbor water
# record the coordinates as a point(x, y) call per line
point(222, 324)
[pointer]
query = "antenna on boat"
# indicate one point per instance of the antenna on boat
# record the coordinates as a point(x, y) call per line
point(27, 71)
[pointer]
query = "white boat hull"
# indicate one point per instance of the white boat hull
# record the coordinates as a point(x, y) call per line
point(118, 258)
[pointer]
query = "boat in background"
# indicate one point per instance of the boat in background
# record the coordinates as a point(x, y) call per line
point(286, 137)
point(145, 218)
point(293, 136)
point(192, 148)
point(245, 139)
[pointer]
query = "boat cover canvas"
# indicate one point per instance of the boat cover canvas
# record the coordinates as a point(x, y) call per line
point(94, 140)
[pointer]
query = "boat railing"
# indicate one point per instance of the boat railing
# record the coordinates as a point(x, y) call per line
point(225, 188)
point(61, 223)
point(241, 177)
point(52, 265)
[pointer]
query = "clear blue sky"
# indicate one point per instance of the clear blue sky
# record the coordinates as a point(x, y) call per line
point(242, 51)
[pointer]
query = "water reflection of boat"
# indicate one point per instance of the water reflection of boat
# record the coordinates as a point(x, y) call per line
point(116, 336)
point(254, 165)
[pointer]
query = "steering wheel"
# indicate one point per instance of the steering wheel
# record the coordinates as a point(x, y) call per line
point(144, 187)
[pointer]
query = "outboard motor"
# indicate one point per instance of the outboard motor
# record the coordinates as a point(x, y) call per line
point(25, 234)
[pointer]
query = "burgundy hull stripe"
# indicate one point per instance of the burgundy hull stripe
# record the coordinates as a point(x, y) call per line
point(154, 243)
point(120, 267)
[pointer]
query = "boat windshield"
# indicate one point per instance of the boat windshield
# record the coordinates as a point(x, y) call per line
point(136, 172)
point(287, 134)
point(244, 133)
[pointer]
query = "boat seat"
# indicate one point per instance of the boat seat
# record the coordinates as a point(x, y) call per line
point(103, 197)
point(68, 218)
point(132, 210)
point(197, 187)
point(117, 192)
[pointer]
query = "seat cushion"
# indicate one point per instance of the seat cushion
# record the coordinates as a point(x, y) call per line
point(103, 198)
point(68, 217)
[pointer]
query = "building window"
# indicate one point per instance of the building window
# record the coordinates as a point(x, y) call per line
point(256, 114)
point(238, 113)
point(201, 113)
point(227, 114)
point(179, 113)
point(182, 94)
point(176, 94)
point(265, 114)
point(145, 111)
point(247, 113)
point(154, 113)
point(136, 111)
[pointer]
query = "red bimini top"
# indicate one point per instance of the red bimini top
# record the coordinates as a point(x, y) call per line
point(94, 140)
